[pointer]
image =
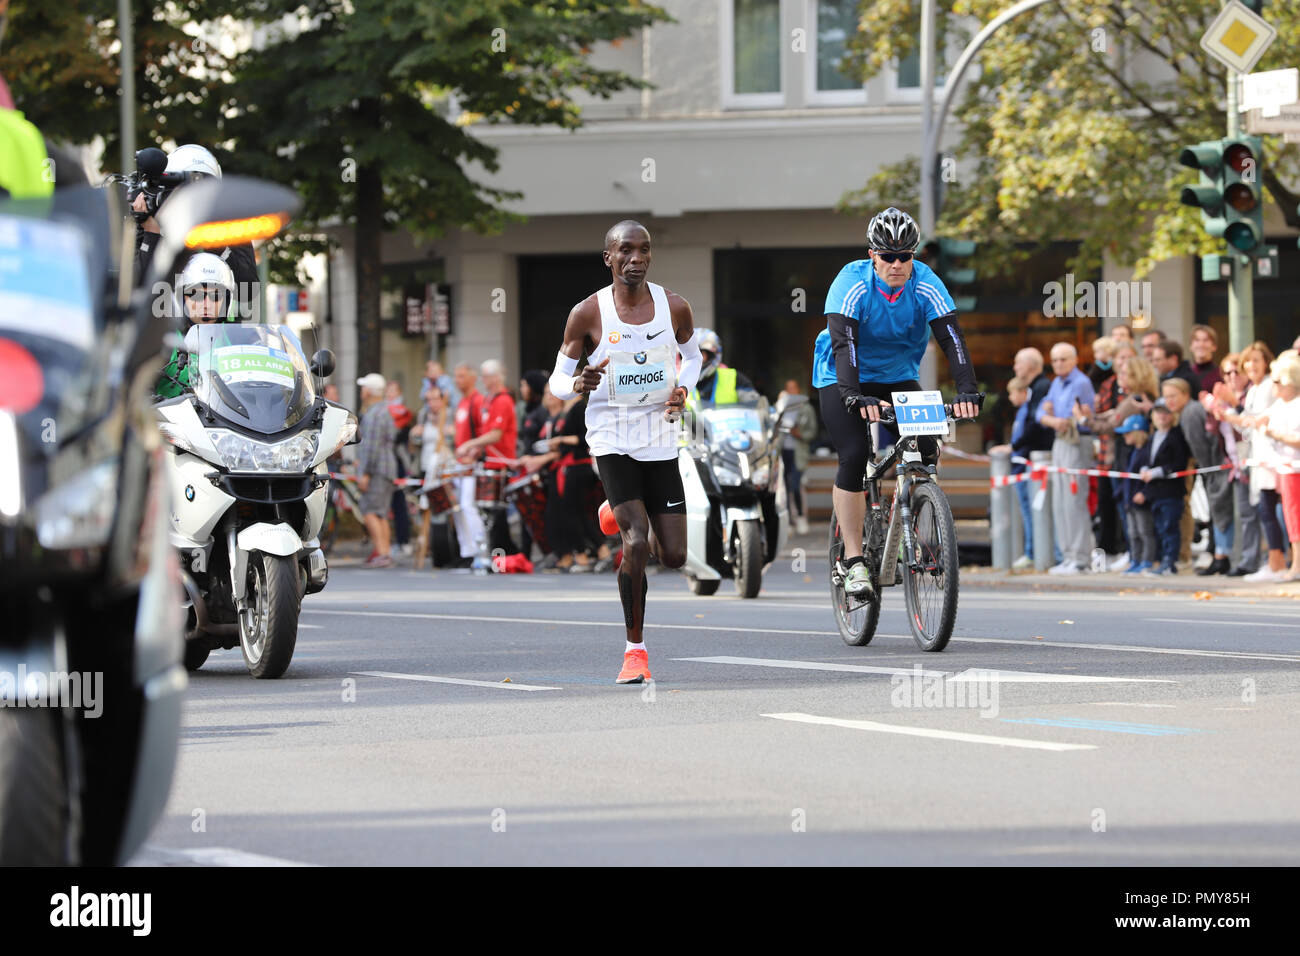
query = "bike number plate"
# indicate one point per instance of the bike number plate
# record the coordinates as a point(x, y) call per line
point(920, 413)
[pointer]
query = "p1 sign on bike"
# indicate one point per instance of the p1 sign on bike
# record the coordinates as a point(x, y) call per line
point(920, 413)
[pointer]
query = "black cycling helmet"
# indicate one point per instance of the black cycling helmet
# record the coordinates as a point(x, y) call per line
point(892, 231)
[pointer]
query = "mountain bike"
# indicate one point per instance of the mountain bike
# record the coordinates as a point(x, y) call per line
point(913, 533)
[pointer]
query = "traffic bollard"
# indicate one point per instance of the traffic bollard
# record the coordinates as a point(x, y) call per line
point(1000, 508)
point(1041, 507)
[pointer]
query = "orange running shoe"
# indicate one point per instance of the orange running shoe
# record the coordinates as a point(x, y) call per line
point(636, 668)
point(608, 523)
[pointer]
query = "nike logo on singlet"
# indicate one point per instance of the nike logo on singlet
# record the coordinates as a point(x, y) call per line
point(649, 337)
point(674, 504)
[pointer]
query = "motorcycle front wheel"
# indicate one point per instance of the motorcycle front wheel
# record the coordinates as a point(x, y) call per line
point(268, 621)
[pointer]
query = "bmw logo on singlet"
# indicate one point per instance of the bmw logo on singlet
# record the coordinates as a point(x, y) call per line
point(639, 358)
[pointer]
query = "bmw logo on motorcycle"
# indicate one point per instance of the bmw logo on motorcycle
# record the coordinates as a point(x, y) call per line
point(189, 492)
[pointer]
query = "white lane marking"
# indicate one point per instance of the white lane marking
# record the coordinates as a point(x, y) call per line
point(811, 665)
point(151, 855)
point(424, 616)
point(1030, 677)
point(1185, 620)
point(520, 620)
point(1124, 703)
point(310, 627)
point(967, 676)
point(927, 732)
point(452, 680)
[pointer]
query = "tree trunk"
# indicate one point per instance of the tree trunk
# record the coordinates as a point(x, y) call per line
point(369, 256)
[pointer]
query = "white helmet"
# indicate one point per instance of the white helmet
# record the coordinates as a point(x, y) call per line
point(208, 271)
point(708, 341)
point(193, 159)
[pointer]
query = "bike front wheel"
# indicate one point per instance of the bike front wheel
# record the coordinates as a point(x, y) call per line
point(856, 617)
point(930, 583)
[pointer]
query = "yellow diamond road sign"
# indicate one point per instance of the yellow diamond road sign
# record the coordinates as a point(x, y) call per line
point(1238, 37)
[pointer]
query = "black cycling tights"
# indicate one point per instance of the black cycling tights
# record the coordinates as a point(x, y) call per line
point(852, 438)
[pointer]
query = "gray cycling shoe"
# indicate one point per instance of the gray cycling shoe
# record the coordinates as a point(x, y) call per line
point(857, 581)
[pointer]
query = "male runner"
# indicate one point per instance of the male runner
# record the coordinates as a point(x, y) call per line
point(631, 332)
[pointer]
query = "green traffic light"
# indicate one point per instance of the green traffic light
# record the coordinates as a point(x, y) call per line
point(1242, 235)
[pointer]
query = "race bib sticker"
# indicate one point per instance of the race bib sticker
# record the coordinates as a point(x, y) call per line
point(641, 378)
point(238, 364)
point(920, 413)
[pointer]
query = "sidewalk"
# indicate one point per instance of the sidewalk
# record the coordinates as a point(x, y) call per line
point(1112, 582)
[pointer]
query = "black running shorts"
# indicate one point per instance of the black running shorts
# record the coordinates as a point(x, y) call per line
point(657, 483)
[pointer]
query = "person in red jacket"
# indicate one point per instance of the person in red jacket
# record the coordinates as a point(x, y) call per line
point(494, 442)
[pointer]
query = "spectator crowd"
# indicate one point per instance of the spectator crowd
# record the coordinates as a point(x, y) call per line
point(532, 465)
point(1150, 411)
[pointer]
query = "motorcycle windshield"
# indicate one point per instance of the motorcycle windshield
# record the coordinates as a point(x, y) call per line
point(253, 375)
point(48, 327)
point(738, 428)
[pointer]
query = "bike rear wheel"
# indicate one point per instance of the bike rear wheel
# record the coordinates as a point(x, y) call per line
point(930, 583)
point(856, 617)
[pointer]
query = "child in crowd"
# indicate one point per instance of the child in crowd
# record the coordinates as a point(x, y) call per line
point(1140, 524)
point(1155, 462)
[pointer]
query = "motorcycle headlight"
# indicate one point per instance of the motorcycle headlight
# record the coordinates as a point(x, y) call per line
point(761, 474)
point(727, 476)
point(238, 453)
point(79, 513)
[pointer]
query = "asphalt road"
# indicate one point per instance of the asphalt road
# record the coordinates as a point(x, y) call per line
point(444, 718)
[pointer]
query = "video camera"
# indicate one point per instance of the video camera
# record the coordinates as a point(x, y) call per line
point(151, 180)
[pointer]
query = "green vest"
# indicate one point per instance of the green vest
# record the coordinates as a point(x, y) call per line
point(23, 162)
point(724, 390)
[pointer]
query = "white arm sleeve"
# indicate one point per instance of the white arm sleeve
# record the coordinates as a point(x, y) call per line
point(692, 361)
point(562, 377)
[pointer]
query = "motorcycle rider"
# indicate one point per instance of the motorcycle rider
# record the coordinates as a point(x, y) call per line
point(200, 163)
point(719, 385)
point(205, 295)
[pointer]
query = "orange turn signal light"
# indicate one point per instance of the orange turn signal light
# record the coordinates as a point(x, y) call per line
point(234, 232)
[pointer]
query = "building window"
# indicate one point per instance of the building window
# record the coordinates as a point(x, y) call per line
point(907, 74)
point(751, 53)
point(836, 22)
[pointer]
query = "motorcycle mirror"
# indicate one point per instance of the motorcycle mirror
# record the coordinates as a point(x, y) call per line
point(191, 342)
point(322, 363)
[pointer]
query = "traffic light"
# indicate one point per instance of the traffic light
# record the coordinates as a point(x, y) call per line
point(1228, 193)
point(941, 255)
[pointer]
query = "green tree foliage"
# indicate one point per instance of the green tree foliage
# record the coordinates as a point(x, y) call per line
point(1072, 122)
point(61, 60)
point(368, 109)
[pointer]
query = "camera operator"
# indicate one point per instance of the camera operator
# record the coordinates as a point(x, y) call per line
point(188, 163)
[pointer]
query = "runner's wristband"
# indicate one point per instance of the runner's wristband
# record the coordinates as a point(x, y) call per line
point(562, 378)
point(692, 361)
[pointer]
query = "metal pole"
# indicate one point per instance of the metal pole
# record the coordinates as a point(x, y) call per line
point(1000, 508)
point(1041, 496)
point(929, 193)
point(1241, 290)
point(929, 157)
point(127, 105)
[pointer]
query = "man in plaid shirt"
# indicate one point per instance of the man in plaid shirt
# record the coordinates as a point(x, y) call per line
point(376, 467)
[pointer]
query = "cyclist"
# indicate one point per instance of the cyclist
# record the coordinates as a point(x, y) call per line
point(880, 312)
point(205, 294)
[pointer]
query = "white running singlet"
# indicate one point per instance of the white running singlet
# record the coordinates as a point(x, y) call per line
point(641, 374)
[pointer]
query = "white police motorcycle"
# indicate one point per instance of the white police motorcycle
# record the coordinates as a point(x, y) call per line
point(737, 517)
point(249, 485)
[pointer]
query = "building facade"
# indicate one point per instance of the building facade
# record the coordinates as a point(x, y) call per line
point(735, 161)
